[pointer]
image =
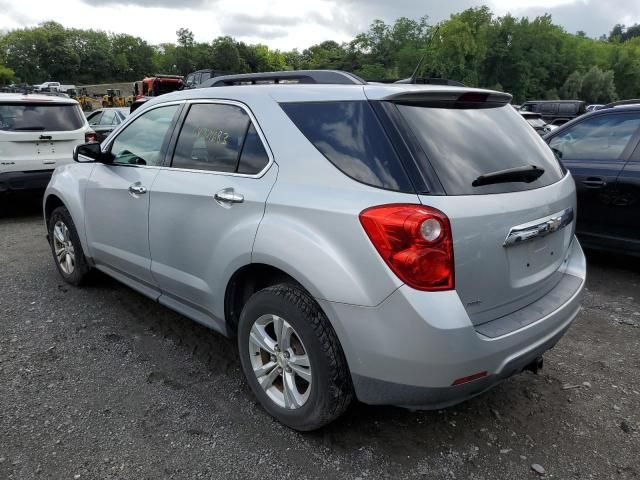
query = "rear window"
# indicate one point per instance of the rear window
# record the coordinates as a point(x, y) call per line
point(349, 135)
point(38, 118)
point(463, 144)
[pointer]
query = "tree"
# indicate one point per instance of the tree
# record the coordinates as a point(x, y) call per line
point(6, 75)
point(598, 86)
point(572, 87)
point(226, 56)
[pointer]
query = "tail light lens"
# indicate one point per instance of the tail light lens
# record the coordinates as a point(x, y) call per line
point(415, 241)
point(90, 137)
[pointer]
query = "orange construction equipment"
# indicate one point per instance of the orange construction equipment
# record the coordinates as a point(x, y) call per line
point(157, 85)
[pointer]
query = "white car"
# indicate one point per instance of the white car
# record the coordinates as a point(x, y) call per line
point(51, 86)
point(37, 134)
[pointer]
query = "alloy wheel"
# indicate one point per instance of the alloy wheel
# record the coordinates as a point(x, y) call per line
point(280, 362)
point(63, 248)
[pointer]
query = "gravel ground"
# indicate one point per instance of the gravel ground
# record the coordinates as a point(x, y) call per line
point(100, 382)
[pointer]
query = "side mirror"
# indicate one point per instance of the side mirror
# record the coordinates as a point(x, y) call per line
point(87, 152)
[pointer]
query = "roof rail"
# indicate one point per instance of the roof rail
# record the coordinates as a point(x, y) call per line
point(431, 81)
point(296, 76)
point(631, 101)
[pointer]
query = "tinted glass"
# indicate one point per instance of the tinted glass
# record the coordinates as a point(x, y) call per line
point(94, 118)
point(603, 137)
point(211, 138)
point(569, 108)
point(141, 142)
point(205, 76)
point(108, 117)
point(463, 144)
point(547, 107)
point(40, 118)
point(254, 157)
point(350, 136)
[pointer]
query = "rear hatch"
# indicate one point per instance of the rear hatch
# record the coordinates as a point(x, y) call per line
point(39, 135)
point(512, 225)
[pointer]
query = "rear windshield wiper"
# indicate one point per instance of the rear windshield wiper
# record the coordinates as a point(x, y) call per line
point(526, 174)
point(30, 129)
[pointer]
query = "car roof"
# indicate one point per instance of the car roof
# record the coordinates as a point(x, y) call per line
point(594, 113)
point(315, 92)
point(553, 101)
point(34, 98)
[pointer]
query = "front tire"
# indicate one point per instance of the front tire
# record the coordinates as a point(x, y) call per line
point(292, 358)
point(66, 247)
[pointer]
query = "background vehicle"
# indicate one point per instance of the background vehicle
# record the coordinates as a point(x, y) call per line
point(50, 86)
point(536, 121)
point(555, 112)
point(37, 133)
point(114, 98)
point(594, 106)
point(157, 85)
point(105, 120)
point(309, 223)
point(601, 151)
point(196, 78)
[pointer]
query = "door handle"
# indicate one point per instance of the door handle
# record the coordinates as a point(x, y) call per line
point(228, 196)
point(594, 182)
point(137, 189)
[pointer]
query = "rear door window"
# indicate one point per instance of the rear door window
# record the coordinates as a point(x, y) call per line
point(464, 143)
point(219, 138)
point(33, 117)
point(603, 137)
point(567, 108)
point(349, 135)
point(547, 107)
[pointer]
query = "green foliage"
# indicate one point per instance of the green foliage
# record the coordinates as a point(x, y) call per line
point(598, 86)
point(6, 75)
point(528, 58)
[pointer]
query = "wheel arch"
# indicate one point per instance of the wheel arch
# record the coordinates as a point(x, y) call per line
point(51, 202)
point(244, 282)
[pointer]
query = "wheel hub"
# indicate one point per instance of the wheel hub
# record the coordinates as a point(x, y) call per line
point(280, 362)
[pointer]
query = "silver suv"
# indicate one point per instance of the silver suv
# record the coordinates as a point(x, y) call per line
point(409, 245)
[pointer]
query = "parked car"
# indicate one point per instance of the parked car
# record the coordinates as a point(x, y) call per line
point(555, 112)
point(319, 226)
point(601, 151)
point(37, 133)
point(105, 120)
point(194, 79)
point(536, 121)
point(48, 86)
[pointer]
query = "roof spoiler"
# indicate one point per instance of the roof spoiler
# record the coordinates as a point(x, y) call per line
point(430, 81)
point(452, 98)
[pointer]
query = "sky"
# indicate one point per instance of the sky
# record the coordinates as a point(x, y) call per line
point(288, 24)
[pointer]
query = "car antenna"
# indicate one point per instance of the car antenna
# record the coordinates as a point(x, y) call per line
point(414, 75)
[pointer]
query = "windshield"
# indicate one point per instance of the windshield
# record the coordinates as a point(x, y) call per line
point(536, 122)
point(23, 117)
point(463, 144)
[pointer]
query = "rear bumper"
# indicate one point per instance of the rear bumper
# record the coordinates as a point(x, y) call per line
point(411, 348)
point(24, 181)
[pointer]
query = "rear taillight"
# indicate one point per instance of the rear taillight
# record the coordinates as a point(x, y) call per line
point(415, 241)
point(90, 137)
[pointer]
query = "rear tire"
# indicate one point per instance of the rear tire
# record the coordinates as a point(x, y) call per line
point(66, 247)
point(302, 397)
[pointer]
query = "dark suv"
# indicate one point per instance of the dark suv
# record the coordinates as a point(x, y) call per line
point(196, 78)
point(601, 150)
point(555, 112)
